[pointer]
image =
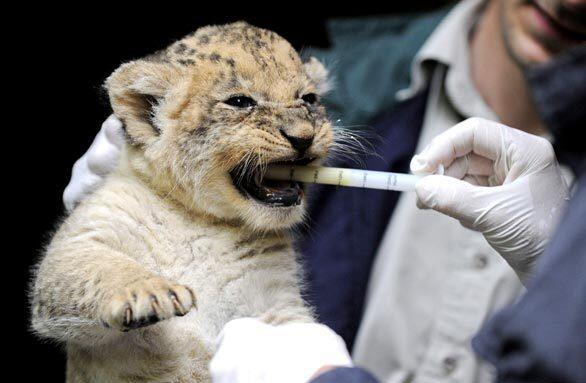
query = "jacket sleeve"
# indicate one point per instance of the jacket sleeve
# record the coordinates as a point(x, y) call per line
point(345, 375)
point(541, 338)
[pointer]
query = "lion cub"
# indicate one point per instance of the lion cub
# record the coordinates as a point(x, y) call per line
point(187, 234)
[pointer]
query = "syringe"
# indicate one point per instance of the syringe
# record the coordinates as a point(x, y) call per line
point(343, 177)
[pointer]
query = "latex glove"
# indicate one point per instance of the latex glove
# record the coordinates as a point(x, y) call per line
point(100, 159)
point(500, 181)
point(252, 351)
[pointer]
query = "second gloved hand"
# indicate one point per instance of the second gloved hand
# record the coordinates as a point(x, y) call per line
point(250, 351)
point(100, 159)
point(499, 181)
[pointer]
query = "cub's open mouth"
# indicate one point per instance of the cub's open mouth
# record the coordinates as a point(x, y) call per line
point(252, 184)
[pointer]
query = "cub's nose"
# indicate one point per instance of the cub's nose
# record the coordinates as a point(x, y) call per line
point(301, 144)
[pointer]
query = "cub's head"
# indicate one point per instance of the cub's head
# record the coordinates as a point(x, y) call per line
point(205, 116)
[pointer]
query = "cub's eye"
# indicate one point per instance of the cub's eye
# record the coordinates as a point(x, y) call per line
point(240, 102)
point(310, 98)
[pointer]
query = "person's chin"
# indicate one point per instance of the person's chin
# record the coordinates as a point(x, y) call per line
point(527, 51)
point(532, 37)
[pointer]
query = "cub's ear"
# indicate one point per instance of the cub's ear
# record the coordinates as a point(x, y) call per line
point(318, 73)
point(135, 90)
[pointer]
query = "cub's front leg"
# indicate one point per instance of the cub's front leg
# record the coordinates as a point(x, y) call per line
point(145, 302)
point(87, 293)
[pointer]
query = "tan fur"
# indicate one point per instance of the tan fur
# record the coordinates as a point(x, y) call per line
point(168, 227)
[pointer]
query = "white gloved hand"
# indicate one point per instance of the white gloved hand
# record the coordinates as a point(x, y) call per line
point(250, 351)
point(499, 181)
point(100, 159)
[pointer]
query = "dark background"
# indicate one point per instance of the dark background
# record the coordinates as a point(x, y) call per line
point(60, 64)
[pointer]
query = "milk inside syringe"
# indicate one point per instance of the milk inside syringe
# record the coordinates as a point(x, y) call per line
point(344, 177)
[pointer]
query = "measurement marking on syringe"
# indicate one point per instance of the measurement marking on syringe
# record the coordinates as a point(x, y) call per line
point(291, 173)
point(364, 176)
point(340, 176)
point(315, 175)
point(391, 181)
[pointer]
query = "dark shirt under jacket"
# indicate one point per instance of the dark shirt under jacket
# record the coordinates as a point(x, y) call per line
point(543, 337)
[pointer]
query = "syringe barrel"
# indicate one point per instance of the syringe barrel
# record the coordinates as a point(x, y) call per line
point(343, 177)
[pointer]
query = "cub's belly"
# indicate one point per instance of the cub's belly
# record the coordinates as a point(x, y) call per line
point(222, 297)
point(229, 286)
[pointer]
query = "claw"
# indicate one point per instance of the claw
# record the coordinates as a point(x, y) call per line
point(127, 317)
point(179, 309)
point(155, 305)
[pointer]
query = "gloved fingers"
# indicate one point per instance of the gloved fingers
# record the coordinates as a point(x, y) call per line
point(475, 135)
point(470, 164)
point(99, 160)
point(221, 370)
point(425, 204)
point(86, 183)
point(528, 154)
point(477, 180)
point(249, 350)
point(103, 155)
point(450, 196)
point(114, 131)
point(319, 332)
point(232, 344)
point(241, 327)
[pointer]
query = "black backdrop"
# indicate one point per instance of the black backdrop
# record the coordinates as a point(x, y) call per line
point(60, 63)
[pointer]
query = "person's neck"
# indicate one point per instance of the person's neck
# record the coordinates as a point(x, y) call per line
point(498, 78)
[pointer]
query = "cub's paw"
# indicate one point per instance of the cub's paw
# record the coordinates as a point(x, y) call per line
point(147, 302)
